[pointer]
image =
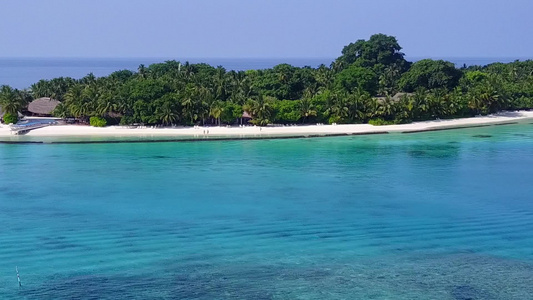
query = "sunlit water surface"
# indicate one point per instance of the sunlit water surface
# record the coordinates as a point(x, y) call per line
point(439, 215)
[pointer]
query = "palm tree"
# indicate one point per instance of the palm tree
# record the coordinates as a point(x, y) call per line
point(79, 100)
point(219, 84)
point(490, 99)
point(356, 104)
point(41, 89)
point(188, 71)
point(12, 100)
point(338, 65)
point(215, 111)
point(311, 90)
point(418, 104)
point(188, 104)
point(324, 77)
point(80, 110)
point(306, 109)
point(438, 103)
point(24, 96)
point(167, 113)
point(283, 75)
point(204, 98)
point(61, 111)
point(242, 89)
point(104, 107)
point(486, 99)
point(388, 80)
point(261, 109)
point(195, 102)
point(457, 102)
point(386, 108)
point(57, 87)
point(373, 109)
point(141, 70)
point(88, 79)
point(74, 94)
point(337, 109)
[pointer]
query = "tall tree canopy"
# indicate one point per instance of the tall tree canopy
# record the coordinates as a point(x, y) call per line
point(381, 53)
point(380, 49)
point(356, 77)
point(430, 74)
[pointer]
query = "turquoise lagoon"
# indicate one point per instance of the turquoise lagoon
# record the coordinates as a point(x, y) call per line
point(436, 215)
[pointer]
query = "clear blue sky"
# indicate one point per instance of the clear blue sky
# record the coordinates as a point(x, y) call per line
point(267, 28)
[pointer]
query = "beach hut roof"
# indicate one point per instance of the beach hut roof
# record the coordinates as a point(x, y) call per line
point(246, 115)
point(113, 114)
point(43, 106)
point(398, 96)
point(394, 98)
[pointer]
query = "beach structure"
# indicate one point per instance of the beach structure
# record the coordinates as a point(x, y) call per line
point(24, 126)
point(397, 97)
point(42, 107)
point(246, 117)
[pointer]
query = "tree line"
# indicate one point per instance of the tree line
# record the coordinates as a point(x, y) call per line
point(371, 82)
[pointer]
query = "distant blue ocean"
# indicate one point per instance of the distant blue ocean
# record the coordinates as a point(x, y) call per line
point(23, 72)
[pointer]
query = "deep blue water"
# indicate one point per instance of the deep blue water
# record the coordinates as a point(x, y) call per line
point(438, 215)
point(23, 72)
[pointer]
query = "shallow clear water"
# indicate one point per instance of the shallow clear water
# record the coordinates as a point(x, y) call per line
point(439, 215)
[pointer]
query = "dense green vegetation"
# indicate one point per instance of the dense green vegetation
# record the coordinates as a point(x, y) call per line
point(97, 122)
point(10, 118)
point(370, 82)
point(12, 101)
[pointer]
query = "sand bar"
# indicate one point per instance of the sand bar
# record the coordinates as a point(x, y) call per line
point(256, 131)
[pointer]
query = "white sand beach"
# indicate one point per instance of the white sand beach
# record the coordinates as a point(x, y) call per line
point(278, 130)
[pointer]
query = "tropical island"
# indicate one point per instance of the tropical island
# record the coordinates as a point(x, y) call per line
point(370, 83)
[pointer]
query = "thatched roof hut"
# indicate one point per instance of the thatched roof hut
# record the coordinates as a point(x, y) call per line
point(246, 115)
point(43, 106)
point(397, 97)
point(114, 115)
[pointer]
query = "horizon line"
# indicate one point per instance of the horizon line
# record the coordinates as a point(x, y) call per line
point(237, 57)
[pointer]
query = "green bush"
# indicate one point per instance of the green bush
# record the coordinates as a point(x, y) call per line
point(286, 111)
point(334, 119)
point(97, 122)
point(379, 121)
point(10, 118)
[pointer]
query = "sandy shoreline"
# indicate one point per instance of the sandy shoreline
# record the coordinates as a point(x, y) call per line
point(256, 131)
